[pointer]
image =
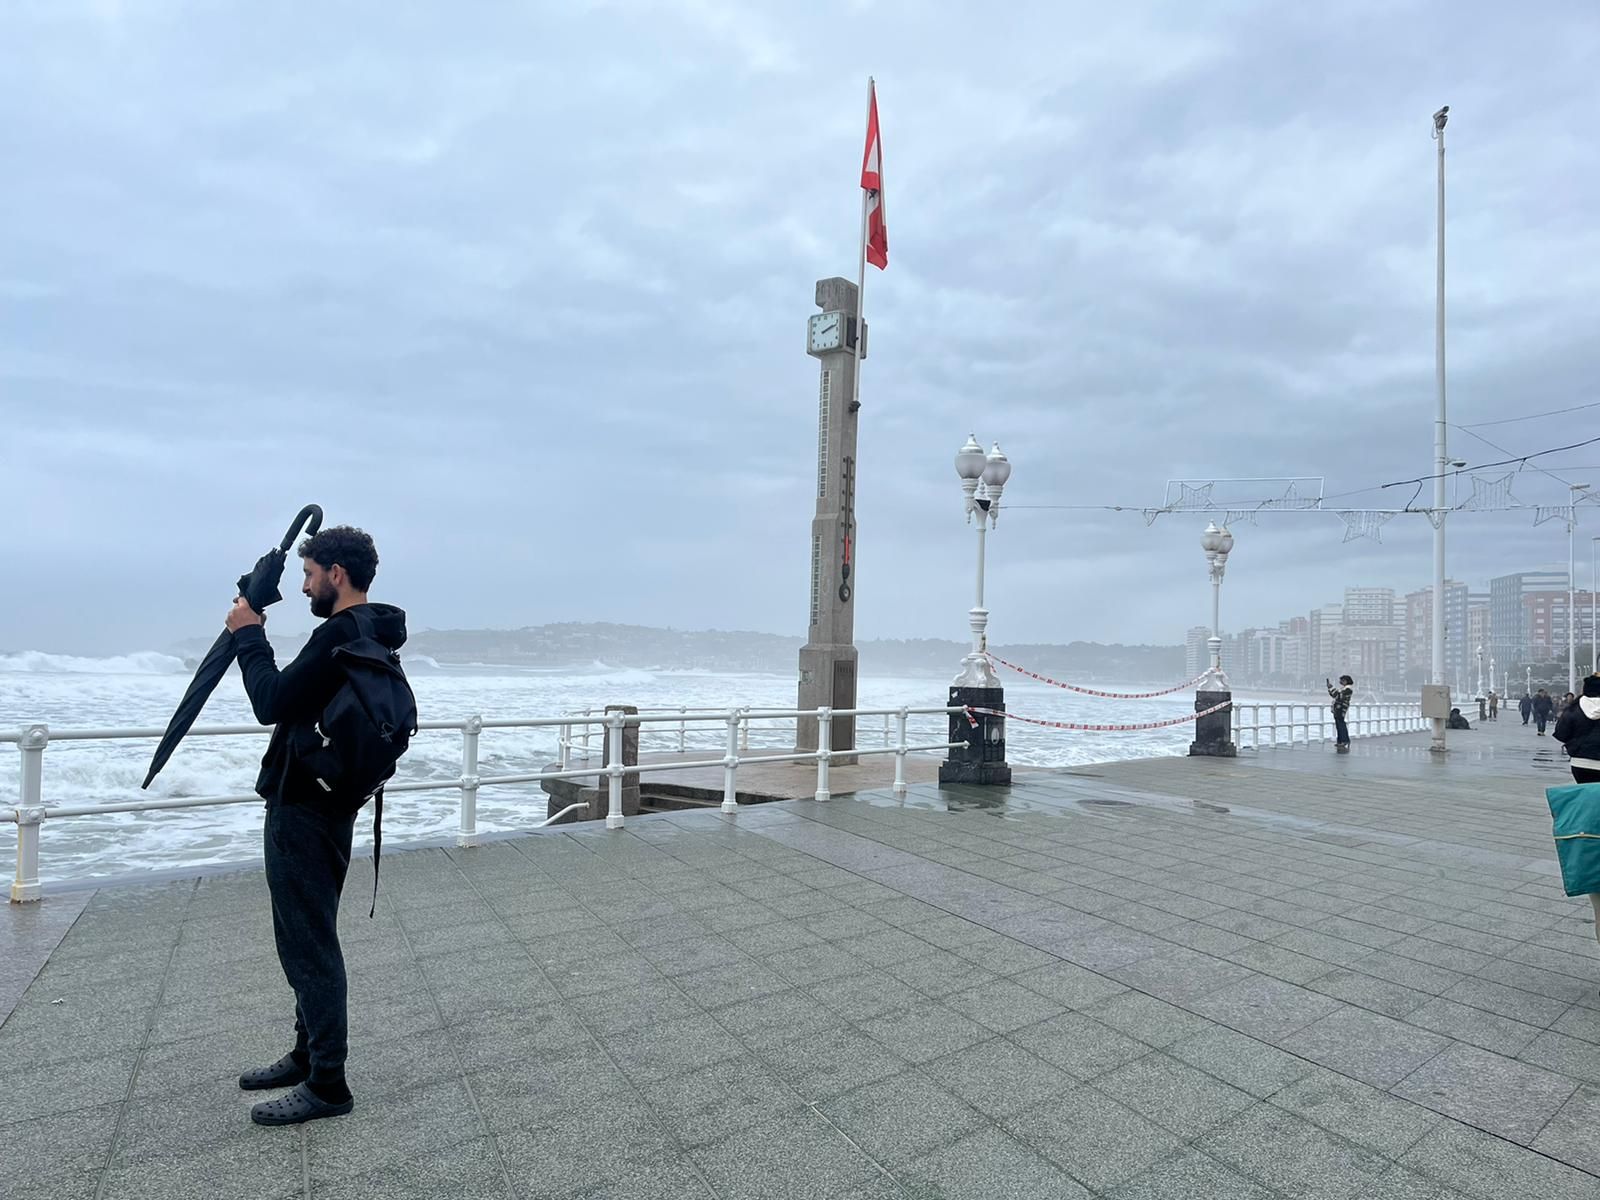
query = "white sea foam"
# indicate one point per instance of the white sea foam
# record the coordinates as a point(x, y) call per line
point(141, 690)
point(145, 662)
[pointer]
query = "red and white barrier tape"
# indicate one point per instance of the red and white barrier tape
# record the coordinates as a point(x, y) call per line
point(1067, 725)
point(1083, 691)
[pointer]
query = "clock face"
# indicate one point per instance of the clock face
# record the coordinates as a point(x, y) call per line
point(825, 331)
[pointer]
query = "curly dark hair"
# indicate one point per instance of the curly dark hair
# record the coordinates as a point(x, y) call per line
point(351, 548)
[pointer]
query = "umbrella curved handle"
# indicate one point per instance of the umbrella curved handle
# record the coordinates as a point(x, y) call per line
point(311, 517)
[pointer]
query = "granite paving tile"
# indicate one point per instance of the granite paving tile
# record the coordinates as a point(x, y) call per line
point(1178, 1097)
point(58, 1155)
point(1487, 1167)
point(999, 1078)
point(795, 1156)
point(1570, 1056)
point(1579, 1022)
point(1570, 1134)
point(1096, 1140)
point(1506, 1001)
point(938, 973)
point(1152, 1021)
point(1003, 1005)
point(1069, 985)
point(1366, 1046)
point(925, 1030)
point(987, 1165)
point(1190, 1174)
point(1370, 1118)
point(669, 1179)
point(1488, 1090)
point(1246, 1063)
point(899, 1119)
point(1473, 1025)
point(1179, 975)
point(259, 1165)
point(1264, 1007)
point(1290, 1154)
point(581, 1148)
point(1079, 1045)
point(1369, 992)
point(708, 1104)
point(822, 1067)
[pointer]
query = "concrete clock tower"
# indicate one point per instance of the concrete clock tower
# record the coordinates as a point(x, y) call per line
point(828, 659)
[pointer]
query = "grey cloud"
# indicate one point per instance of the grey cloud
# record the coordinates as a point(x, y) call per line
point(522, 292)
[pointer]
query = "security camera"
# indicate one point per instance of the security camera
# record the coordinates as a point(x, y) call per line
point(1458, 463)
point(1440, 117)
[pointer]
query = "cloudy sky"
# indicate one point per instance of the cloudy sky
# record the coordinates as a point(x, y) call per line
point(521, 289)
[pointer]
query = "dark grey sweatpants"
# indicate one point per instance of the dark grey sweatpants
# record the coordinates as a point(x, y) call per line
point(308, 855)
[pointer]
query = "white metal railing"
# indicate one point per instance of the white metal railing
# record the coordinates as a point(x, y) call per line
point(578, 741)
point(31, 810)
point(1297, 724)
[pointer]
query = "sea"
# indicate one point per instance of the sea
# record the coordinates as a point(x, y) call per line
point(141, 690)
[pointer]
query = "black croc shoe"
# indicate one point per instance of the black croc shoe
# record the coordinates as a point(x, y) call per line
point(294, 1107)
point(283, 1073)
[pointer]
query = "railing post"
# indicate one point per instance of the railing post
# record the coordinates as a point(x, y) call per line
point(1255, 734)
point(824, 738)
point(730, 766)
point(587, 713)
point(744, 730)
point(900, 754)
point(614, 772)
point(30, 814)
point(886, 735)
point(470, 728)
point(563, 746)
point(682, 730)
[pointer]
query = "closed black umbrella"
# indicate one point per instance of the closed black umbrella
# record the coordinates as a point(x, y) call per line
point(260, 587)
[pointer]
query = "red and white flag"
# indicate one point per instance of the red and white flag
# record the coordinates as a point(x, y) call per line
point(872, 184)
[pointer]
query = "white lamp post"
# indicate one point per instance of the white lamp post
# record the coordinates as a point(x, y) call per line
point(983, 480)
point(1574, 494)
point(1218, 544)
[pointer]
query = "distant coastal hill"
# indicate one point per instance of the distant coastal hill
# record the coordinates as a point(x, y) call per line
point(580, 644)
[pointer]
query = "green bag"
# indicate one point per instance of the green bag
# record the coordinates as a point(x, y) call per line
point(1576, 812)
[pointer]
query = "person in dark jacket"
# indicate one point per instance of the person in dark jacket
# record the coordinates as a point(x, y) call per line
point(1457, 721)
point(1341, 697)
point(307, 841)
point(1525, 707)
point(1578, 729)
point(1543, 706)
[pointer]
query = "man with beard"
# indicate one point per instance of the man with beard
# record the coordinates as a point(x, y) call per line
point(307, 838)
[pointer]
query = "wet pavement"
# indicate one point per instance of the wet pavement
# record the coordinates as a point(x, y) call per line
point(1293, 974)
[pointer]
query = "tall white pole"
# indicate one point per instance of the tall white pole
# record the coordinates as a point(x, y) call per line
point(1594, 616)
point(980, 614)
point(1572, 595)
point(1440, 459)
point(861, 269)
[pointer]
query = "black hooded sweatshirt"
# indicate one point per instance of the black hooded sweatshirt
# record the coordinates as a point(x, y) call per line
point(293, 699)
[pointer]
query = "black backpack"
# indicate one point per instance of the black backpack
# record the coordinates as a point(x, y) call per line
point(363, 730)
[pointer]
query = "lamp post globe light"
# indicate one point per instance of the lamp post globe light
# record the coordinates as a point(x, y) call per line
point(981, 757)
point(1213, 735)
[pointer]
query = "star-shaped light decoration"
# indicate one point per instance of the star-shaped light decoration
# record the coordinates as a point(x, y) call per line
point(1550, 512)
point(1490, 494)
point(1195, 497)
point(1292, 499)
point(1235, 515)
point(1359, 523)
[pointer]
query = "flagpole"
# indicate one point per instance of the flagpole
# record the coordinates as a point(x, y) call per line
point(861, 274)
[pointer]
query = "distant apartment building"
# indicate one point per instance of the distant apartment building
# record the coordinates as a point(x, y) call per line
point(1419, 631)
point(1508, 616)
point(1324, 626)
point(1369, 606)
point(1196, 654)
point(1545, 620)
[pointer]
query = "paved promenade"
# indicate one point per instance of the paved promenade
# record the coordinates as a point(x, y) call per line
point(1290, 975)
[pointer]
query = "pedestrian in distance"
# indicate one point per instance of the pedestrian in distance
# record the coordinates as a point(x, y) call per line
point(1543, 707)
point(1494, 705)
point(1457, 721)
point(1525, 707)
point(309, 824)
point(1341, 696)
point(1578, 729)
point(1567, 702)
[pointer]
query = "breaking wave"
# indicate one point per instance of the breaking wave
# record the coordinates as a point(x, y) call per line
point(145, 662)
